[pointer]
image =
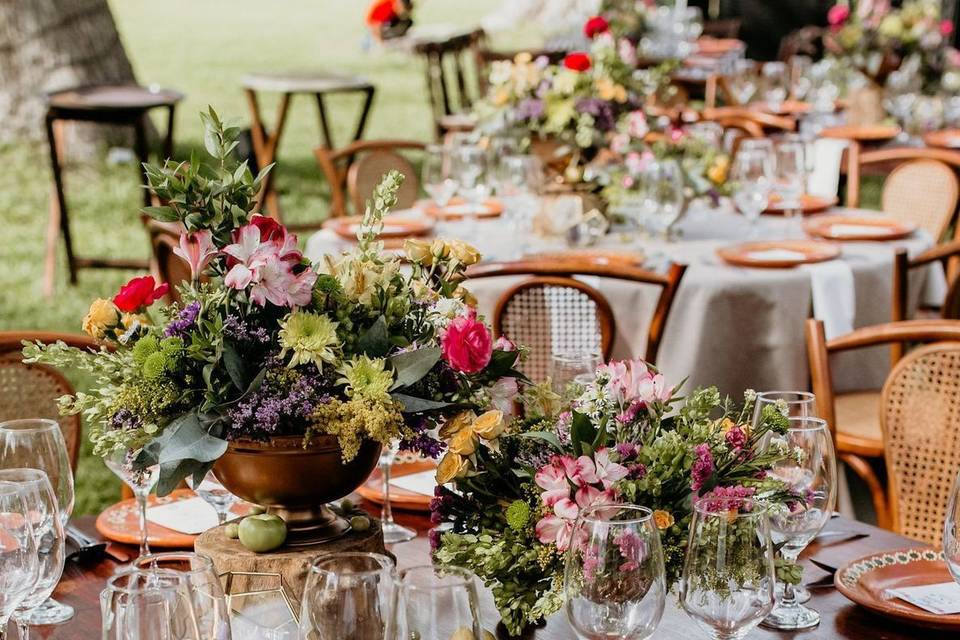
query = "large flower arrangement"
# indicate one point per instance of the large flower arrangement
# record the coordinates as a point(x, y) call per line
point(878, 39)
point(625, 438)
point(265, 343)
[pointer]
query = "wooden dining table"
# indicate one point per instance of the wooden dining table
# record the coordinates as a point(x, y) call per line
point(840, 618)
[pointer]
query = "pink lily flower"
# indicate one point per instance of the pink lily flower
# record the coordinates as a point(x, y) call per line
point(608, 472)
point(553, 480)
point(196, 249)
point(558, 527)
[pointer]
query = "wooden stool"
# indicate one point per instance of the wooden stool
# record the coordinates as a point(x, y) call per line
point(123, 105)
point(319, 84)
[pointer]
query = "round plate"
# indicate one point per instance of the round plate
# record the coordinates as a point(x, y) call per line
point(863, 133)
point(596, 256)
point(781, 254)
point(458, 207)
point(946, 139)
point(809, 204)
point(865, 582)
point(400, 498)
point(787, 108)
point(120, 522)
point(707, 46)
point(859, 228)
point(393, 227)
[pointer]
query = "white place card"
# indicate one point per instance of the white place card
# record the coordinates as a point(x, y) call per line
point(776, 254)
point(942, 599)
point(191, 516)
point(422, 482)
point(843, 230)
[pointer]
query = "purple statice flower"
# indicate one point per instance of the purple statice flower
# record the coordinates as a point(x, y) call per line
point(736, 438)
point(529, 109)
point(277, 407)
point(240, 330)
point(124, 419)
point(723, 498)
point(702, 467)
point(604, 117)
point(434, 537)
point(631, 412)
point(442, 504)
point(626, 450)
point(637, 471)
point(185, 320)
point(424, 444)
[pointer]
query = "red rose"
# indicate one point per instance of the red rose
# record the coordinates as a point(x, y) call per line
point(595, 26)
point(380, 12)
point(577, 60)
point(467, 345)
point(139, 293)
point(269, 228)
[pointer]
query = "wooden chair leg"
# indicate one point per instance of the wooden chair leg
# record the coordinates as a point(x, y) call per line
point(878, 493)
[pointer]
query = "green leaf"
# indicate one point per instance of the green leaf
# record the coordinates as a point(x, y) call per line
point(375, 341)
point(186, 439)
point(234, 365)
point(413, 404)
point(546, 436)
point(582, 433)
point(411, 366)
point(163, 214)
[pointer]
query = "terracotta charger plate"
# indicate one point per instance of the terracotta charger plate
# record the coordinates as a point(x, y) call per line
point(708, 46)
point(457, 208)
point(393, 227)
point(809, 204)
point(946, 139)
point(862, 133)
point(400, 498)
point(780, 254)
point(598, 256)
point(120, 522)
point(859, 228)
point(787, 108)
point(866, 581)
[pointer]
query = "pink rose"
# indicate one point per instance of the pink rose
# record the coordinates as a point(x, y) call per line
point(837, 15)
point(467, 344)
point(946, 28)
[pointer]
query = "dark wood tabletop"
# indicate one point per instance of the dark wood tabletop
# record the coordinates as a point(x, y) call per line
point(83, 582)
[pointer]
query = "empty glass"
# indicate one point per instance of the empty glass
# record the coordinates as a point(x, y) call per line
point(436, 176)
point(573, 365)
point(348, 595)
point(790, 174)
point(519, 180)
point(614, 584)
point(811, 472)
point(742, 81)
point(728, 574)
point(153, 604)
point(140, 482)
point(664, 184)
point(776, 82)
point(215, 494)
point(800, 76)
point(790, 403)
point(48, 536)
point(392, 532)
point(38, 444)
point(951, 532)
point(19, 563)
point(752, 184)
point(436, 602)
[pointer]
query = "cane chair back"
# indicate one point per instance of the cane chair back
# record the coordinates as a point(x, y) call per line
point(31, 390)
point(551, 310)
point(164, 263)
point(353, 171)
point(854, 417)
point(921, 431)
point(923, 192)
point(948, 254)
point(448, 76)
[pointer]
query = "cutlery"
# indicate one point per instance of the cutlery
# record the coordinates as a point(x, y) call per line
point(839, 537)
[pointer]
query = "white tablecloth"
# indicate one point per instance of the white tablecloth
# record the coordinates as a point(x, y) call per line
point(732, 327)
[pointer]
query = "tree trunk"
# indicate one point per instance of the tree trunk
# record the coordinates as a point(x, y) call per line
point(47, 45)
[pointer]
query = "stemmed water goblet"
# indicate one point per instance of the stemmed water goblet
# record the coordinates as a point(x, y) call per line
point(392, 532)
point(212, 491)
point(141, 482)
point(470, 168)
point(19, 561)
point(752, 184)
point(437, 177)
point(436, 602)
point(790, 172)
point(348, 595)
point(742, 82)
point(775, 85)
point(39, 444)
point(664, 186)
point(519, 180)
point(573, 366)
point(150, 604)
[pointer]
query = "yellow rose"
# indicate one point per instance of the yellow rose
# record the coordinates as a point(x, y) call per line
point(440, 249)
point(452, 466)
point(490, 425)
point(663, 519)
point(501, 97)
point(102, 315)
point(467, 297)
point(718, 171)
point(524, 57)
point(422, 292)
point(128, 319)
point(464, 442)
point(463, 252)
point(456, 424)
point(418, 251)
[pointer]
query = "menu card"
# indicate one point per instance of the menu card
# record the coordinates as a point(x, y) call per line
point(942, 599)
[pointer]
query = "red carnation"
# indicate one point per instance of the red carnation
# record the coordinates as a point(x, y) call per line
point(381, 12)
point(595, 26)
point(577, 60)
point(139, 293)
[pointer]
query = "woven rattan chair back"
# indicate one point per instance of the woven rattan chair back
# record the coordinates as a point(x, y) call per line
point(31, 390)
point(923, 192)
point(920, 418)
point(365, 174)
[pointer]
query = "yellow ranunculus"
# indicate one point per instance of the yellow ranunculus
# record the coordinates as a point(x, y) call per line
point(464, 442)
point(464, 252)
point(452, 466)
point(456, 424)
point(463, 294)
point(501, 96)
point(102, 315)
point(717, 173)
point(127, 320)
point(663, 519)
point(490, 425)
point(418, 251)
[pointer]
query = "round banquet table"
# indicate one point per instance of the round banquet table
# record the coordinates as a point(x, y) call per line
point(733, 327)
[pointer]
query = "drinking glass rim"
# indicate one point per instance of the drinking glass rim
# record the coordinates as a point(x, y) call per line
point(801, 397)
point(816, 424)
point(389, 566)
point(465, 577)
point(758, 508)
point(19, 425)
point(140, 563)
point(40, 475)
point(585, 514)
point(129, 571)
point(10, 488)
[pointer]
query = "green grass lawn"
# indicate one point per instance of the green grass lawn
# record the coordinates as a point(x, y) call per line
point(201, 49)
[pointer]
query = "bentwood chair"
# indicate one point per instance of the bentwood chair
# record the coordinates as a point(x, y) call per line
point(920, 417)
point(944, 253)
point(450, 87)
point(31, 390)
point(165, 265)
point(551, 310)
point(355, 170)
point(922, 187)
point(854, 417)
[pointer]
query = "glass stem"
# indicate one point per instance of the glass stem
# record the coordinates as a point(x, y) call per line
point(222, 515)
point(386, 513)
point(142, 513)
point(789, 595)
point(23, 629)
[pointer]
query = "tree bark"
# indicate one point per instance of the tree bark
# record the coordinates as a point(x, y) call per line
point(47, 45)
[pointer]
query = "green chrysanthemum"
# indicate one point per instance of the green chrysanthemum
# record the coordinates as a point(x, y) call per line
point(311, 337)
point(367, 378)
point(518, 515)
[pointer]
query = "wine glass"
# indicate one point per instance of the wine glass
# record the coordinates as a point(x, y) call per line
point(153, 604)
point(19, 561)
point(573, 365)
point(203, 586)
point(951, 532)
point(436, 602)
point(392, 532)
point(470, 169)
point(800, 80)
point(48, 536)
point(436, 177)
point(728, 574)
point(664, 181)
point(215, 494)
point(752, 182)
point(140, 481)
point(614, 583)
point(38, 444)
point(519, 180)
point(348, 595)
point(790, 403)
point(812, 474)
point(775, 85)
point(742, 82)
point(790, 174)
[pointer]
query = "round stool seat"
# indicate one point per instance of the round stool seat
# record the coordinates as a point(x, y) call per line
point(123, 97)
point(304, 82)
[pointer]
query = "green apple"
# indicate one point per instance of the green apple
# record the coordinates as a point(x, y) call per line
point(263, 532)
point(232, 530)
point(256, 510)
point(360, 523)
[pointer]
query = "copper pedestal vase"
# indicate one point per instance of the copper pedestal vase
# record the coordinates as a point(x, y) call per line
point(295, 482)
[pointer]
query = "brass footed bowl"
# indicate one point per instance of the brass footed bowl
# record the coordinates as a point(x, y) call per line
point(295, 483)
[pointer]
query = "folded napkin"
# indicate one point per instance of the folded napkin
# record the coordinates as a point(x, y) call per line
point(824, 178)
point(191, 516)
point(466, 208)
point(423, 482)
point(844, 230)
point(834, 296)
point(776, 254)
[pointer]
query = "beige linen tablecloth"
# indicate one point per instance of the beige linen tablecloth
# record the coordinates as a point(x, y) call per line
point(732, 327)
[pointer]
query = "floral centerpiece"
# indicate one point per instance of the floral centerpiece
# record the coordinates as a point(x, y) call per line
point(625, 438)
point(388, 19)
point(266, 345)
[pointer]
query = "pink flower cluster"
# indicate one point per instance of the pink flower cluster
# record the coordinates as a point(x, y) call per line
point(467, 345)
point(263, 258)
point(728, 498)
point(630, 381)
point(702, 467)
point(571, 484)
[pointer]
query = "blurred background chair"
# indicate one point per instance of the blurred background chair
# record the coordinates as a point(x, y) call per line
point(452, 73)
point(164, 264)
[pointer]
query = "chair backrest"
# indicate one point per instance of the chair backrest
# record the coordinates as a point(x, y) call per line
point(447, 75)
point(920, 418)
point(164, 263)
point(354, 170)
point(946, 253)
point(551, 310)
point(806, 41)
point(31, 390)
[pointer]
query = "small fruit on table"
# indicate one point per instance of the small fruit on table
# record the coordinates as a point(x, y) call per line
point(232, 530)
point(360, 523)
point(263, 532)
point(256, 510)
